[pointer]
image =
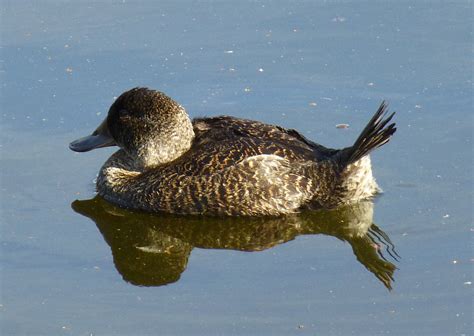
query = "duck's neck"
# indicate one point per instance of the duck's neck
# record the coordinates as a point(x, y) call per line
point(115, 176)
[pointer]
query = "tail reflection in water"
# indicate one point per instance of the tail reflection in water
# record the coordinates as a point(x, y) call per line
point(153, 250)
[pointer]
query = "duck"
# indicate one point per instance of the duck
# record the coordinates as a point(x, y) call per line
point(223, 165)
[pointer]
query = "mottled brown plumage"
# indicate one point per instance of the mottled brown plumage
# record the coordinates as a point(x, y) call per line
point(224, 165)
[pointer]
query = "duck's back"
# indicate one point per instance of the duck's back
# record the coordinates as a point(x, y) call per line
point(224, 141)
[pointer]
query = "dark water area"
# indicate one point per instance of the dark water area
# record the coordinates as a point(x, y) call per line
point(73, 264)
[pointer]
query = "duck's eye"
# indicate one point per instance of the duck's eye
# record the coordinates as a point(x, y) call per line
point(123, 113)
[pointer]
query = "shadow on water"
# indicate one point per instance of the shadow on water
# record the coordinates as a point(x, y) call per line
point(153, 250)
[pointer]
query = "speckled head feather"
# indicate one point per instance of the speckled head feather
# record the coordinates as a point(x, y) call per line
point(150, 126)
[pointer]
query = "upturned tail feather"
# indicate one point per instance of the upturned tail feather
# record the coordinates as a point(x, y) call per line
point(374, 135)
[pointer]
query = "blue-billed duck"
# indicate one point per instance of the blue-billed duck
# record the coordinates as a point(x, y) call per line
point(225, 165)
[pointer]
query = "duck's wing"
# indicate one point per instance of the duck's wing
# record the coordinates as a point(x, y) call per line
point(288, 140)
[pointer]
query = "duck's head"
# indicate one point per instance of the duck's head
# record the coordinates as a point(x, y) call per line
point(152, 128)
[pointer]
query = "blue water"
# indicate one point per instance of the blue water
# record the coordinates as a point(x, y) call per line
point(304, 65)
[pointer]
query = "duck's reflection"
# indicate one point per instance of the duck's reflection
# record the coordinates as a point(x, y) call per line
point(152, 250)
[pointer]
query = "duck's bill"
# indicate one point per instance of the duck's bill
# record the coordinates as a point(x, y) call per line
point(91, 142)
point(100, 138)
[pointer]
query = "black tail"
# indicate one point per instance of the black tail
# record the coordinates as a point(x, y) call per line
point(374, 135)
